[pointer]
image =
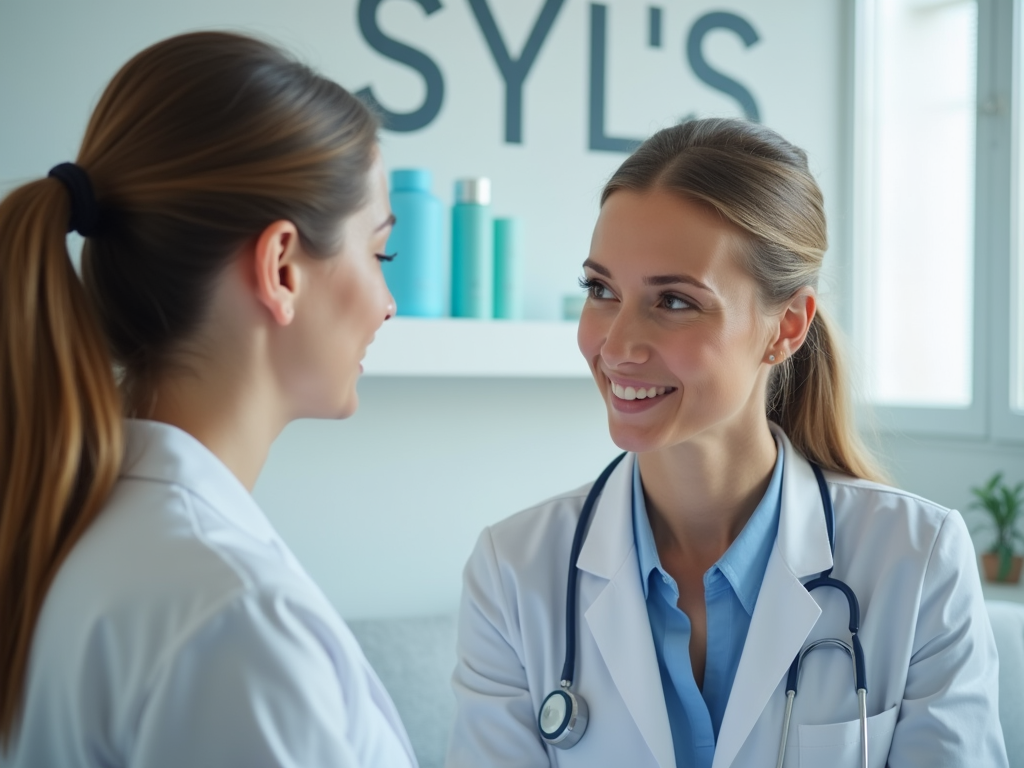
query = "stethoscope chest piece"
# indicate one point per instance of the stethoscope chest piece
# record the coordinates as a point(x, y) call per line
point(563, 718)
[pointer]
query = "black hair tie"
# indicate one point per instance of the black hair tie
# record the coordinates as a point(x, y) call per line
point(84, 211)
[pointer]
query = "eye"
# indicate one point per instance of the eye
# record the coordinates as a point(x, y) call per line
point(672, 302)
point(595, 289)
point(382, 257)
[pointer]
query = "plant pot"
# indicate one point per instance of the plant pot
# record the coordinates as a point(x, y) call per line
point(990, 565)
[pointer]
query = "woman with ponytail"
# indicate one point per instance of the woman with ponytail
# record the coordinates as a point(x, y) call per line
point(744, 480)
point(234, 211)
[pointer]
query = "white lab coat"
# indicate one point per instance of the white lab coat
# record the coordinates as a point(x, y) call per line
point(931, 659)
point(182, 633)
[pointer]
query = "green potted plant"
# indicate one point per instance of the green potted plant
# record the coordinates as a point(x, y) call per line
point(1004, 506)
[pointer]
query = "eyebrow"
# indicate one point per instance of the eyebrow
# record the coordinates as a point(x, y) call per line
point(389, 222)
point(652, 279)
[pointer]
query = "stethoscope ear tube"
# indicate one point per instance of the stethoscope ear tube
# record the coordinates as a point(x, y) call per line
point(859, 667)
point(563, 715)
point(854, 648)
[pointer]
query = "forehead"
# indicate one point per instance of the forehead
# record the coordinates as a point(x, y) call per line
point(659, 230)
point(376, 206)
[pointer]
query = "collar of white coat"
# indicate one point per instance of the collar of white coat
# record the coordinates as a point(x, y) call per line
point(162, 453)
point(802, 541)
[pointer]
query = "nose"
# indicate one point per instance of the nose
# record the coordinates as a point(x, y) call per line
point(625, 341)
point(391, 308)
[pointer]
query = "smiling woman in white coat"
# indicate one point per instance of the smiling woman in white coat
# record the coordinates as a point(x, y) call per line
point(234, 210)
point(724, 385)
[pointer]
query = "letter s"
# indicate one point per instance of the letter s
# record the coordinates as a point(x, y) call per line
point(419, 118)
point(714, 78)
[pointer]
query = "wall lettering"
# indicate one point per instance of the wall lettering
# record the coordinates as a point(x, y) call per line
point(428, 110)
point(515, 71)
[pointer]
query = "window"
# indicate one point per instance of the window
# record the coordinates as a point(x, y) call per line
point(918, 287)
point(938, 272)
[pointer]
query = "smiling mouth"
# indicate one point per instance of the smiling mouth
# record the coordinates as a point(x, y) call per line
point(639, 393)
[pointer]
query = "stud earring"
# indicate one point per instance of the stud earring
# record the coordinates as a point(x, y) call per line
point(771, 358)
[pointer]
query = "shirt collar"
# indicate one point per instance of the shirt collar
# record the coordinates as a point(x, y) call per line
point(744, 563)
point(160, 452)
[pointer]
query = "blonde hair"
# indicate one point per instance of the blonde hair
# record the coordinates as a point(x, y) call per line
point(197, 144)
point(760, 183)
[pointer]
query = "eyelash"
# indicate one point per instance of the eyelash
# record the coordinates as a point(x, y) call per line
point(386, 256)
point(689, 304)
point(591, 285)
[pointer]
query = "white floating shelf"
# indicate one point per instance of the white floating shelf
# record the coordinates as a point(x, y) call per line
point(448, 347)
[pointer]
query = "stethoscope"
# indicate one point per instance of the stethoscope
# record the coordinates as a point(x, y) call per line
point(563, 715)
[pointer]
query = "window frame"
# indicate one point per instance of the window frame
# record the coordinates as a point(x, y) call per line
point(1008, 424)
point(989, 414)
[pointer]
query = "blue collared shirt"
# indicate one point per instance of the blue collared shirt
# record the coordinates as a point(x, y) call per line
point(731, 587)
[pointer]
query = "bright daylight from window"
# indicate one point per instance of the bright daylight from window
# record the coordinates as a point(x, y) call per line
point(916, 285)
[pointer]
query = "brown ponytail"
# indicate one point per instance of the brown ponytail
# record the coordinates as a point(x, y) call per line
point(60, 428)
point(198, 144)
point(761, 183)
point(809, 398)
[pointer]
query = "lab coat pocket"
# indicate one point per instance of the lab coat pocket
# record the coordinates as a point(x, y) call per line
point(837, 745)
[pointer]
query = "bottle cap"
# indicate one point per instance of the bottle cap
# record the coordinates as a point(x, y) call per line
point(473, 191)
point(410, 180)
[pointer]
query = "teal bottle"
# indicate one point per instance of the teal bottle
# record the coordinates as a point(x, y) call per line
point(508, 269)
point(418, 275)
point(472, 250)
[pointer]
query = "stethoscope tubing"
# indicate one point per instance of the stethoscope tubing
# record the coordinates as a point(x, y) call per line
point(854, 648)
point(569, 668)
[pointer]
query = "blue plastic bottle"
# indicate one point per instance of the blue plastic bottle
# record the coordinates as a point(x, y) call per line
point(472, 250)
point(508, 269)
point(417, 276)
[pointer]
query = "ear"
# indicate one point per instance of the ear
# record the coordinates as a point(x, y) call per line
point(794, 323)
point(277, 274)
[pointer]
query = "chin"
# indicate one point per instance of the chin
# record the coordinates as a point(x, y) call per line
point(349, 408)
point(633, 439)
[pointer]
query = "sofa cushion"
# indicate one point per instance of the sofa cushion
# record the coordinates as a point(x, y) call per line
point(414, 658)
point(1008, 627)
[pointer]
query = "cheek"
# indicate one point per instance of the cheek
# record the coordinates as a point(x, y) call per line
point(587, 336)
point(349, 297)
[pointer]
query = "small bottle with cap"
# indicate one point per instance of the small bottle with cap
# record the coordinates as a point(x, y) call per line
point(508, 269)
point(472, 250)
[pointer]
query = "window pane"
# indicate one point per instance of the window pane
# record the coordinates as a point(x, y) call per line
point(918, 305)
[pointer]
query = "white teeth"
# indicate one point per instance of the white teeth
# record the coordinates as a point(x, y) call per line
point(633, 393)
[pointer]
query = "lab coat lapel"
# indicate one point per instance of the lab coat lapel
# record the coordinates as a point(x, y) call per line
point(617, 616)
point(785, 612)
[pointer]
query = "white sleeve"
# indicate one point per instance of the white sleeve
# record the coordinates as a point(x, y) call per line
point(950, 710)
point(253, 687)
point(495, 721)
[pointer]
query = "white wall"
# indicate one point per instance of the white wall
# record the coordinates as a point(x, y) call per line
point(385, 508)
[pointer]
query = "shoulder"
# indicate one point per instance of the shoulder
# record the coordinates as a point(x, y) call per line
point(524, 535)
point(523, 555)
point(869, 505)
point(855, 494)
point(904, 532)
point(158, 568)
point(159, 543)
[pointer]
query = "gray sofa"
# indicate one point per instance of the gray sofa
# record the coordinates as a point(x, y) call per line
point(415, 657)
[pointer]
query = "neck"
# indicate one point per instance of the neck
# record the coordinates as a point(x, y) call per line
point(701, 493)
point(223, 406)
